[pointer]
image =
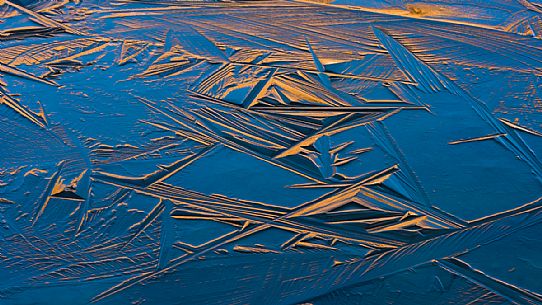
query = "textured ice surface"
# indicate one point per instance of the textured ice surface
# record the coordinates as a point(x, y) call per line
point(164, 152)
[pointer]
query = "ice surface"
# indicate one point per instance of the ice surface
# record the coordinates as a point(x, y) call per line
point(165, 152)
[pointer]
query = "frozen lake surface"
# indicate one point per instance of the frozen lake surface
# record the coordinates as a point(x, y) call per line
point(164, 152)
